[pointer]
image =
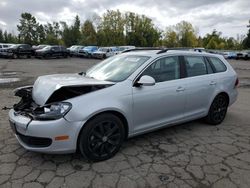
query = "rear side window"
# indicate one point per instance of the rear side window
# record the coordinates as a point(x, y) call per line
point(195, 66)
point(218, 65)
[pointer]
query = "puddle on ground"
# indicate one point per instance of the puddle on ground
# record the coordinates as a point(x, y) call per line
point(8, 73)
point(8, 80)
point(7, 77)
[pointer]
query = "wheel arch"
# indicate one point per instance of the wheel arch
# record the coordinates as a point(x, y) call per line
point(114, 112)
point(219, 93)
point(225, 94)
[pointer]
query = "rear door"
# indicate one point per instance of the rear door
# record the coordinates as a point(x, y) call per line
point(200, 86)
point(162, 103)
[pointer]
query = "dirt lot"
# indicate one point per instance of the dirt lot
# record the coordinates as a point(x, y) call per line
point(189, 155)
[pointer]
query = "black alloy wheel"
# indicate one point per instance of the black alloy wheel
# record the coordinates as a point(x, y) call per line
point(102, 137)
point(218, 110)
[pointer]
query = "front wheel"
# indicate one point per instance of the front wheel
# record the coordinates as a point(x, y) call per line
point(102, 137)
point(218, 110)
point(15, 56)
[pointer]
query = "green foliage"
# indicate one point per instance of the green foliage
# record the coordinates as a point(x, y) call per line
point(182, 34)
point(27, 28)
point(6, 37)
point(111, 28)
point(116, 28)
point(140, 30)
point(246, 41)
point(89, 36)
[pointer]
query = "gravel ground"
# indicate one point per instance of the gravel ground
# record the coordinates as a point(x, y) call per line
point(189, 155)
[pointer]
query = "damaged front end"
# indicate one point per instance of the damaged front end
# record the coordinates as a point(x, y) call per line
point(54, 108)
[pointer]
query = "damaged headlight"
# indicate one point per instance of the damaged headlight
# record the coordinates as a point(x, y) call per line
point(52, 111)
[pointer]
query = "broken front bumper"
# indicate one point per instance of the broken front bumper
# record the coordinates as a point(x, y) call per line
point(41, 136)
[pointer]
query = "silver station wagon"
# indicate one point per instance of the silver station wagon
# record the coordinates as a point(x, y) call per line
point(126, 95)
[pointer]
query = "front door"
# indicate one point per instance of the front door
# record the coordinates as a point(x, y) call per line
point(163, 103)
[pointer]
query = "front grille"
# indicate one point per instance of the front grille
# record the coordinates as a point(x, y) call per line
point(35, 141)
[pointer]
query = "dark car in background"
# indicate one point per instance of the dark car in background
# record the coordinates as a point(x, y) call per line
point(19, 50)
point(52, 51)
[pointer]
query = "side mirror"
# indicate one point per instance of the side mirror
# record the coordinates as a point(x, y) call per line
point(146, 81)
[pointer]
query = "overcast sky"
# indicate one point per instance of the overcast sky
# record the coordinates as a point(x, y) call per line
point(228, 16)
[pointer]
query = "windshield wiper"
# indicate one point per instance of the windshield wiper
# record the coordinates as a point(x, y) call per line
point(82, 73)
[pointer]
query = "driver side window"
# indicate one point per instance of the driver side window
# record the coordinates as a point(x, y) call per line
point(165, 69)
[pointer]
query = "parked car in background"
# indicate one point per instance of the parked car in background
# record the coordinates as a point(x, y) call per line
point(87, 51)
point(3, 49)
point(104, 52)
point(243, 55)
point(120, 49)
point(20, 50)
point(52, 51)
point(5, 45)
point(39, 47)
point(229, 55)
point(79, 51)
point(74, 51)
point(123, 96)
point(72, 47)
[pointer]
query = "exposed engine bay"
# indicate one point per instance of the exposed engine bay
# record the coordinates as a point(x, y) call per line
point(27, 107)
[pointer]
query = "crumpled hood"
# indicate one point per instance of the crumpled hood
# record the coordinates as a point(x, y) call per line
point(45, 86)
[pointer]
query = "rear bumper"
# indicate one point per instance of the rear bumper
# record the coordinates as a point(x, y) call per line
point(40, 136)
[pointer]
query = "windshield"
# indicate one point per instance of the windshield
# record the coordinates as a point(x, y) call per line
point(103, 49)
point(117, 68)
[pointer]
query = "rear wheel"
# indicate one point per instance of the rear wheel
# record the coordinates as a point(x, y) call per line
point(46, 56)
point(218, 110)
point(102, 137)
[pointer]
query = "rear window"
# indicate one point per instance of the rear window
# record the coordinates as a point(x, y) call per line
point(218, 65)
point(195, 66)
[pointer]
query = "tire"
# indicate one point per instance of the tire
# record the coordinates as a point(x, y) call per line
point(15, 56)
point(46, 56)
point(104, 56)
point(102, 137)
point(218, 110)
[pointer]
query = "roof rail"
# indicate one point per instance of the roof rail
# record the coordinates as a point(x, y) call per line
point(183, 49)
point(163, 50)
point(142, 48)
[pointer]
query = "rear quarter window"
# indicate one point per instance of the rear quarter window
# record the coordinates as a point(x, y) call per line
point(217, 64)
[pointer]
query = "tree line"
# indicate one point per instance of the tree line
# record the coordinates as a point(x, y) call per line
point(115, 28)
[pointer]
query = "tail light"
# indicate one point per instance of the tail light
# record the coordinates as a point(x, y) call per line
point(236, 83)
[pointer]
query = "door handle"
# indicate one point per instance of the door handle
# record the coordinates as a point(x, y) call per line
point(212, 83)
point(179, 89)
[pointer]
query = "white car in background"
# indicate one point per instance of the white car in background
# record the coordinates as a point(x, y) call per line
point(120, 49)
point(4, 49)
point(104, 52)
